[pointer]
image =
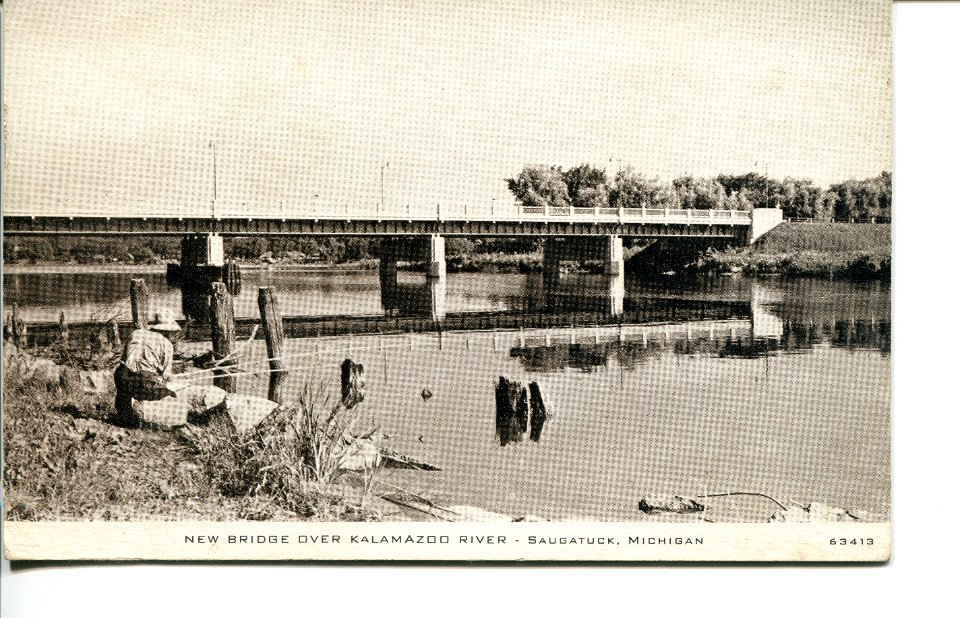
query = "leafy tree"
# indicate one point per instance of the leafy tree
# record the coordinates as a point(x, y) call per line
point(247, 248)
point(587, 186)
point(31, 249)
point(760, 191)
point(699, 193)
point(540, 186)
point(633, 190)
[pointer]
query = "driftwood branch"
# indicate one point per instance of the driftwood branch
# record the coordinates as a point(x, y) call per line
point(744, 493)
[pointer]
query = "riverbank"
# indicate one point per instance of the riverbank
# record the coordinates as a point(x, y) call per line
point(65, 457)
point(842, 250)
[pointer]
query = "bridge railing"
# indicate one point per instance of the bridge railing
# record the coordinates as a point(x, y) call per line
point(496, 212)
point(653, 215)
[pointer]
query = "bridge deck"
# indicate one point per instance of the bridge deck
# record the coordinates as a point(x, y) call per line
point(446, 221)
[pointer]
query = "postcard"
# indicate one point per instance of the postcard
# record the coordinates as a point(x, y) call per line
point(444, 281)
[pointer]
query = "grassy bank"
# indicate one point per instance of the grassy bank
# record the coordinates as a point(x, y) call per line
point(843, 250)
point(65, 459)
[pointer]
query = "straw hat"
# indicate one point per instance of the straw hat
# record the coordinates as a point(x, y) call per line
point(163, 321)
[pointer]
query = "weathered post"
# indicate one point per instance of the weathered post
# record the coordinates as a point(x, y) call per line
point(538, 412)
point(64, 331)
point(511, 418)
point(272, 323)
point(139, 303)
point(16, 330)
point(113, 333)
point(351, 383)
point(222, 334)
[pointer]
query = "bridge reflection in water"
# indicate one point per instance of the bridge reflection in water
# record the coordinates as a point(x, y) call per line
point(760, 320)
point(630, 346)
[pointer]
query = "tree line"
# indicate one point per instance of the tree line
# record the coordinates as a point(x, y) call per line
point(157, 250)
point(585, 186)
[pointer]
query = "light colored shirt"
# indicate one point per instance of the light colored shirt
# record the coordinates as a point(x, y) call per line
point(149, 352)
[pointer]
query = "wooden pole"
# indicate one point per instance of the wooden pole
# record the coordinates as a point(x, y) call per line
point(64, 331)
point(351, 383)
point(114, 333)
point(511, 415)
point(222, 333)
point(139, 303)
point(273, 335)
point(538, 412)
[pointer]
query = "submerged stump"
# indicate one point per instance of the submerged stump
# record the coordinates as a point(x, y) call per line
point(351, 383)
point(538, 412)
point(512, 408)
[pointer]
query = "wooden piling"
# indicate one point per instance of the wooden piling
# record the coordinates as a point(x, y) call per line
point(511, 418)
point(272, 324)
point(113, 333)
point(222, 334)
point(139, 303)
point(351, 383)
point(538, 412)
point(64, 331)
point(16, 330)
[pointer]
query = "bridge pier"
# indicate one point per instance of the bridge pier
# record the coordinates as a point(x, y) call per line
point(201, 264)
point(389, 288)
point(552, 252)
point(431, 297)
point(609, 249)
point(613, 266)
point(437, 277)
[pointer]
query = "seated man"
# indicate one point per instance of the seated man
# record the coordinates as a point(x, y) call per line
point(145, 368)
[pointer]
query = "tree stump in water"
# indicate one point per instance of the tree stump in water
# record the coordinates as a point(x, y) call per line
point(538, 412)
point(351, 383)
point(511, 419)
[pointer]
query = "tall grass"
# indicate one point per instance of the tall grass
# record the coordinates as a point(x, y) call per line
point(62, 461)
point(851, 251)
point(824, 237)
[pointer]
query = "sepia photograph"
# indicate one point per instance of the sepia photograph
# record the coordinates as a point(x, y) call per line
point(331, 280)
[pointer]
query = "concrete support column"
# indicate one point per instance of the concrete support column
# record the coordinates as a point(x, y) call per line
point(551, 272)
point(201, 263)
point(613, 258)
point(437, 263)
point(437, 290)
point(437, 276)
point(389, 288)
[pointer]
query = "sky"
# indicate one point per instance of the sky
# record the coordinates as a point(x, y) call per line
point(124, 107)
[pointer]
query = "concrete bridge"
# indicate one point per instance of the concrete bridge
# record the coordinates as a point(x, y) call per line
point(569, 233)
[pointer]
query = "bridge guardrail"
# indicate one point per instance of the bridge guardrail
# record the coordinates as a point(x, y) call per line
point(452, 213)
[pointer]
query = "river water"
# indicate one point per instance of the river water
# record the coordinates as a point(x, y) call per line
point(793, 402)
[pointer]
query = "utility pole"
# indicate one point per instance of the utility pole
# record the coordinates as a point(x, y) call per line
point(383, 204)
point(213, 204)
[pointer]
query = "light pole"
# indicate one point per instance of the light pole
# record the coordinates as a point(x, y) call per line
point(213, 203)
point(383, 204)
